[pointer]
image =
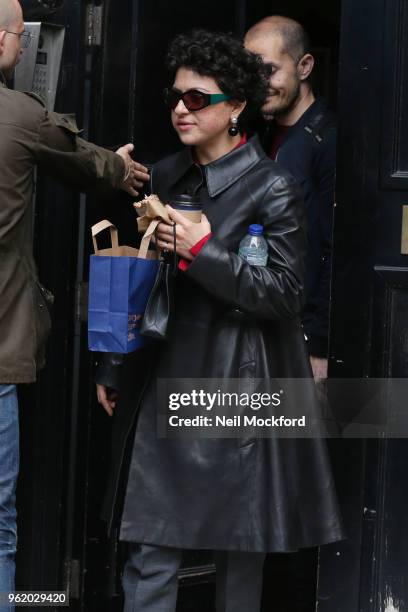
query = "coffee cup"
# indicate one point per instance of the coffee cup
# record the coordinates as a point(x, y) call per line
point(188, 205)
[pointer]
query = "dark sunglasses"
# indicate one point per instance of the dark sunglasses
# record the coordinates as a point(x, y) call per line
point(193, 99)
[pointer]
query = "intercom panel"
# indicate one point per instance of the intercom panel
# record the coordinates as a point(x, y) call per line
point(39, 67)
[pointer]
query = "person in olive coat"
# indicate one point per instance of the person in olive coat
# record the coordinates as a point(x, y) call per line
point(31, 136)
point(240, 497)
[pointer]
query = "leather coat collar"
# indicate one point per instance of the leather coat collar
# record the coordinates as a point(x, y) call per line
point(223, 172)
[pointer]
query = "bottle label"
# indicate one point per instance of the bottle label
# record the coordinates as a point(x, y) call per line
point(254, 259)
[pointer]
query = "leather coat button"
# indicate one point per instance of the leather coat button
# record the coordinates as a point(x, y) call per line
point(236, 314)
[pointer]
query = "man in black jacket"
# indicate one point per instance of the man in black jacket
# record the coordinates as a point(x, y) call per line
point(300, 133)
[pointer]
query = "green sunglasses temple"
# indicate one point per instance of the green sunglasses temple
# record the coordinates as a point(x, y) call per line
point(211, 98)
point(216, 98)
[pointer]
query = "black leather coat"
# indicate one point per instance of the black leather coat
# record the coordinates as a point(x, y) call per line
point(231, 320)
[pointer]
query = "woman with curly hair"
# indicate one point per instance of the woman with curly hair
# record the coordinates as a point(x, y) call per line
point(240, 497)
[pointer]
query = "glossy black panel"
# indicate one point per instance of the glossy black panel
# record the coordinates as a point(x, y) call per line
point(394, 170)
point(367, 573)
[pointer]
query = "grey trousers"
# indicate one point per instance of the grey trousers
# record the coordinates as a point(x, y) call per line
point(150, 580)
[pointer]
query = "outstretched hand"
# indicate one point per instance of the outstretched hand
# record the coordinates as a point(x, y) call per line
point(136, 174)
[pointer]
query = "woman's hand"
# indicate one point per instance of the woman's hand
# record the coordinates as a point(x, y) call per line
point(319, 368)
point(187, 233)
point(107, 398)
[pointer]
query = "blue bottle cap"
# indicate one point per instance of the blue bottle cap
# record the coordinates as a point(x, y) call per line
point(255, 229)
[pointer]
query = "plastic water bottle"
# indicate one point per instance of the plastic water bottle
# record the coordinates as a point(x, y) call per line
point(254, 248)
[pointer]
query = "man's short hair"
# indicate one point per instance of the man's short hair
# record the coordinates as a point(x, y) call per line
point(296, 41)
point(8, 13)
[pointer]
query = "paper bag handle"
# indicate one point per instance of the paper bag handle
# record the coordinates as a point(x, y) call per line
point(145, 242)
point(99, 227)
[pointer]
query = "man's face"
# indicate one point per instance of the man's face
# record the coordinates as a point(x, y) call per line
point(284, 83)
point(10, 43)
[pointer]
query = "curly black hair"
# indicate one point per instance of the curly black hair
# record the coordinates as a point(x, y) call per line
point(239, 73)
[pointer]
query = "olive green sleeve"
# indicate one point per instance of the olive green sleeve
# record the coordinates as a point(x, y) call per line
point(61, 153)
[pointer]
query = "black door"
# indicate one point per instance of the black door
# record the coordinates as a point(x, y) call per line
point(369, 326)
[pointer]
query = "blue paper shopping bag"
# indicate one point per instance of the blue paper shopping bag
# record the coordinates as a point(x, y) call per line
point(120, 281)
